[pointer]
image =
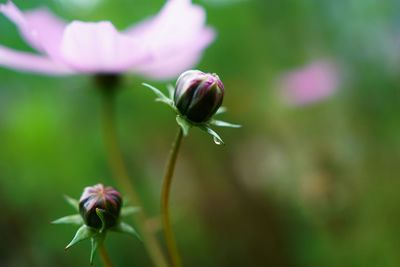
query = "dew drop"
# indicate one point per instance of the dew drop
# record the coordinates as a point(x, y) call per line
point(217, 141)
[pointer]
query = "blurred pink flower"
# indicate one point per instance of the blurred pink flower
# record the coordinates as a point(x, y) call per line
point(159, 47)
point(311, 83)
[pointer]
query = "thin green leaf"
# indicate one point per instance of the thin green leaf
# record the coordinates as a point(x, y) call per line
point(217, 139)
point(93, 249)
point(224, 124)
point(160, 96)
point(126, 211)
point(127, 229)
point(96, 242)
point(165, 101)
point(83, 233)
point(184, 124)
point(171, 91)
point(71, 219)
point(221, 110)
point(155, 90)
point(72, 202)
point(100, 213)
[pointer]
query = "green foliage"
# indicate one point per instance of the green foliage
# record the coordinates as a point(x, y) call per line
point(311, 185)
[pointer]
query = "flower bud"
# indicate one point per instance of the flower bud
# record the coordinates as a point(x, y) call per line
point(198, 95)
point(106, 199)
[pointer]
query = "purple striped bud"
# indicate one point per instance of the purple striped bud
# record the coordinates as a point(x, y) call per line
point(198, 95)
point(106, 199)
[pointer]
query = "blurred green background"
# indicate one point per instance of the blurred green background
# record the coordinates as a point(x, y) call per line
point(299, 185)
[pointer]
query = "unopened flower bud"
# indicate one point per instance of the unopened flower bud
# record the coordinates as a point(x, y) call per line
point(105, 199)
point(198, 95)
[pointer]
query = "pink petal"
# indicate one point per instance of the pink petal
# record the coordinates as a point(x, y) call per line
point(168, 64)
point(175, 39)
point(177, 21)
point(40, 28)
point(99, 47)
point(30, 62)
point(314, 82)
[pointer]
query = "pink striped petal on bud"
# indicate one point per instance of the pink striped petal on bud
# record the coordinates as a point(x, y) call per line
point(198, 95)
point(98, 197)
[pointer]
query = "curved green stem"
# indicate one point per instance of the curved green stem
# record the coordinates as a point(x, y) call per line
point(120, 173)
point(169, 236)
point(105, 257)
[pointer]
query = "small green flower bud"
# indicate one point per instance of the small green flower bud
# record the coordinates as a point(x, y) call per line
point(198, 95)
point(105, 199)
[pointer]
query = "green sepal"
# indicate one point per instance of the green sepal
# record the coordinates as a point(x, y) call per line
point(224, 124)
point(71, 219)
point(100, 213)
point(171, 91)
point(126, 229)
point(72, 202)
point(161, 97)
point(184, 124)
point(126, 211)
point(217, 139)
point(96, 242)
point(83, 233)
point(221, 110)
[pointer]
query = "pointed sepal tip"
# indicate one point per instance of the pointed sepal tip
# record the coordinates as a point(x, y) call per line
point(83, 233)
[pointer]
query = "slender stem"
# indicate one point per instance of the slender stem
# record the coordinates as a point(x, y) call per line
point(105, 257)
point(120, 173)
point(169, 236)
